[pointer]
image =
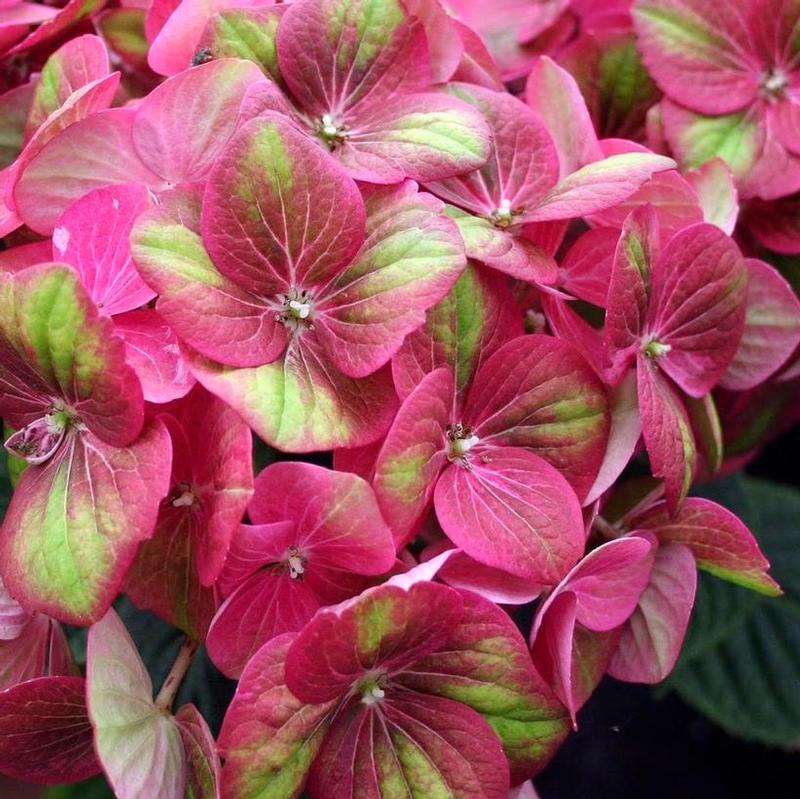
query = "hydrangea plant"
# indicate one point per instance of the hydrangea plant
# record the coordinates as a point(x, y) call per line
point(379, 349)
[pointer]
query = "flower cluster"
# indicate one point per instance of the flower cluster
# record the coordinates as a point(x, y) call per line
point(502, 267)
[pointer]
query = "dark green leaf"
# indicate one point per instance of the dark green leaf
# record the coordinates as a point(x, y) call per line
point(741, 662)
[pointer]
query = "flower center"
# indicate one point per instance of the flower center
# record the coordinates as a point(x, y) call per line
point(655, 349)
point(183, 496)
point(775, 83)
point(460, 441)
point(503, 216)
point(331, 131)
point(38, 441)
point(372, 689)
point(296, 563)
point(296, 310)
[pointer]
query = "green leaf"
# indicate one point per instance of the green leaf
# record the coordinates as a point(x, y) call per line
point(741, 660)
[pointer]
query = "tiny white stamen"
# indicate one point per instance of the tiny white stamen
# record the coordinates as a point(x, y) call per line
point(505, 206)
point(373, 695)
point(776, 81)
point(329, 128)
point(461, 446)
point(185, 500)
point(301, 309)
point(655, 349)
point(296, 567)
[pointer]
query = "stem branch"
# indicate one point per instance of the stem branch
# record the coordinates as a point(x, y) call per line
point(166, 696)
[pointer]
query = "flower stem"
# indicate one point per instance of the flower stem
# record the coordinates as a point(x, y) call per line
point(166, 696)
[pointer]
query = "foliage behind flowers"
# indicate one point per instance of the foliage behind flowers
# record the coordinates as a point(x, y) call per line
point(507, 271)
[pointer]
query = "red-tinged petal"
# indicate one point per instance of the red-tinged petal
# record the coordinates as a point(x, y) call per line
point(608, 68)
point(202, 759)
point(212, 474)
point(538, 392)
point(269, 738)
point(14, 109)
point(718, 539)
point(553, 645)
point(211, 484)
point(568, 325)
point(337, 55)
point(666, 430)
point(56, 348)
point(248, 31)
point(55, 25)
point(410, 259)
point(414, 453)
point(153, 352)
point(384, 631)
point(702, 57)
point(24, 255)
point(477, 65)
point(699, 287)
point(338, 522)
point(771, 328)
point(137, 743)
point(739, 139)
point(420, 136)
point(279, 212)
point(414, 743)
point(358, 460)
point(587, 266)
point(123, 29)
point(776, 224)
point(459, 570)
point(13, 617)
point(267, 604)
point(91, 153)
point(83, 103)
point(466, 327)
point(651, 639)
point(716, 192)
point(92, 236)
point(624, 435)
point(78, 62)
point(553, 94)
point(40, 650)
point(206, 309)
point(607, 583)
point(630, 288)
point(73, 525)
point(504, 250)
point(301, 403)
point(254, 546)
point(45, 734)
point(445, 46)
point(502, 24)
point(163, 577)
point(485, 664)
point(510, 509)
point(174, 30)
point(672, 196)
point(523, 166)
point(182, 147)
point(597, 186)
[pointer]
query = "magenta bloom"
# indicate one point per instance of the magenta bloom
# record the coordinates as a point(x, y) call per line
point(292, 289)
point(315, 532)
point(731, 73)
point(395, 686)
point(499, 435)
point(357, 76)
